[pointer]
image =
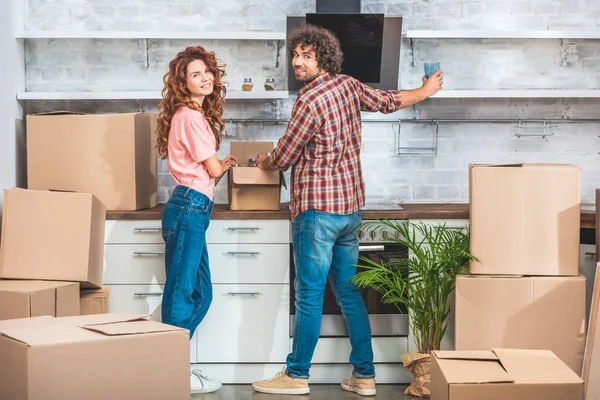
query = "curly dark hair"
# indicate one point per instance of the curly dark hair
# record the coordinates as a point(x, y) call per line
point(324, 43)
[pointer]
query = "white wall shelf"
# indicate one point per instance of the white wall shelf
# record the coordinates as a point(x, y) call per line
point(500, 34)
point(516, 93)
point(249, 35)
point(143, 95)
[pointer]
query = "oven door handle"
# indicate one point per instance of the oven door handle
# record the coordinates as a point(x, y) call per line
point(371, 248)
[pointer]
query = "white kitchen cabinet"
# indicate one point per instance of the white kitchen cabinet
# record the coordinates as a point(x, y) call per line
point(246, 323)
point(337, 350)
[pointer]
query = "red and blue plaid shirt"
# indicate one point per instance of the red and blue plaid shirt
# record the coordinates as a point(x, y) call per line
point(322, 143)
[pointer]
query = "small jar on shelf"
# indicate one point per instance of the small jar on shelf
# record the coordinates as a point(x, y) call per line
point(269, 83)
point(247, 85)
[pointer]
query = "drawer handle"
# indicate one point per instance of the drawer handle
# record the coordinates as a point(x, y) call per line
point(148, 253)
point(371, 248)
point(243, 253)
point(147, 229)
point(243, 228)
point(589, 253)
point(145, 294)
point(243, 293)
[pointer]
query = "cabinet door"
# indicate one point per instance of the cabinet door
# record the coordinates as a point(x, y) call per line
point(142, 299)
point(246, 323)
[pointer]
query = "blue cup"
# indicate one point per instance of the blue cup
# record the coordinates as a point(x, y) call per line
point(431, 68)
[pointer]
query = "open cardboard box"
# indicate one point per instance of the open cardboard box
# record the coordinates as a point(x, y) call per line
point(502, 374)
point(252, 188)
point(93, 357)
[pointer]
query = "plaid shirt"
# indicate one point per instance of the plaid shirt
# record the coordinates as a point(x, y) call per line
point(322, 143)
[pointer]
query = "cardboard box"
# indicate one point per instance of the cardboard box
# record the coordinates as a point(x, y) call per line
point(251, 188)
point(24, 299)
point(545, 313)
point(95, 301)
point(525, 219)
point(54, 236)
point(502, 374)
point(112, 156)
point(93, 357)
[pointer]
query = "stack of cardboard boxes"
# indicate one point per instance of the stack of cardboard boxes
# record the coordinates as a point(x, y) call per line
point(52, 244)
point(524, 292)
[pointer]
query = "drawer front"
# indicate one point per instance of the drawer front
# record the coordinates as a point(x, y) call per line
point(337, 350)
point(229, 263)
point(142, 299)
point(142, 231)
point(134, 264)
point(248, 231)
point(249, 263)
point(246, 323)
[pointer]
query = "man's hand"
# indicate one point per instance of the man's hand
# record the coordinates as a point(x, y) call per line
point(261, 161)
point(433, 84)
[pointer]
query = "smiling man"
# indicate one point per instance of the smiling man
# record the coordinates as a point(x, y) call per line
point(322, 145)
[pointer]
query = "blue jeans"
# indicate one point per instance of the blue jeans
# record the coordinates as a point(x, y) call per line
point(188, 288)
point(326, 246)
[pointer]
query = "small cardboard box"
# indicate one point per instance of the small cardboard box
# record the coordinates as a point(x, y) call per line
point(95, 301)
point(544, 313)
point(525, 219)
point(93, 357)
point(502, 374)
point(25, 299)
point(251, 188)
point(55, 236)
point(112, 156)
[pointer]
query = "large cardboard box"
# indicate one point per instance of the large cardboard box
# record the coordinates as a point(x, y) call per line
point(525, 219)
point(93, 357)
point(94, 301)
point(502, 374)
point(24, 299)
point(546, 313)
point(55, 236)
point(109, 155)
point(251, 188)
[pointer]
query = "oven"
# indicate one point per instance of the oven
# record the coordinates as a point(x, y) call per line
point(386, 320)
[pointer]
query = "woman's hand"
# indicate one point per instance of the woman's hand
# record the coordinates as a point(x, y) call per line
point(228, 162)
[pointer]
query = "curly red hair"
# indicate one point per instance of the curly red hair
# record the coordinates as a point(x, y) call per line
point(176, 94)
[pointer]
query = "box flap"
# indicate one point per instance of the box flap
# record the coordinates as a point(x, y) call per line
point(132, 328)
point(466, 355)
point(536, 366)
point(254, 176)
point(496, 165)
point(100, 319)
point(471, 367)
point(244, 151)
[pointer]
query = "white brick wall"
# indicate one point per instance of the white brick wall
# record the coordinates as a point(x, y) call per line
point(482, 64)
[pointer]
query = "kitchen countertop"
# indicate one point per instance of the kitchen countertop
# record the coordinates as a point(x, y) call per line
point(408, 211)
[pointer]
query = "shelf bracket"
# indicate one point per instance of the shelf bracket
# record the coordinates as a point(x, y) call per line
point(545, 132)
point(412, 52)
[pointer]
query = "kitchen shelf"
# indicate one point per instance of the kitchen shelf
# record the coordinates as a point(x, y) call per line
point(249, 35)
point(516, 93)
point(500, 34)
point(142, 95)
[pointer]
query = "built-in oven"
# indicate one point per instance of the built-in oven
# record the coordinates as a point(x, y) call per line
point(386, 320)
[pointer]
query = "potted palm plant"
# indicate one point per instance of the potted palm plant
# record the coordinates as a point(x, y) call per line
point(421, 284)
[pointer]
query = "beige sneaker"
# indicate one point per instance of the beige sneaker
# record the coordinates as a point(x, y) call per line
point(362, 386)
point(282, 384)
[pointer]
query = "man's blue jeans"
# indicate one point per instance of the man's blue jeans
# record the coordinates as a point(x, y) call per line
point(188, 288)
point(326, 246)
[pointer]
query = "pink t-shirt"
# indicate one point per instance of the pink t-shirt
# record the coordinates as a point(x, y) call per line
point(191, 141)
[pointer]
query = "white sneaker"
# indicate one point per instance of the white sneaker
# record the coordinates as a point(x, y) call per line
point(200, 383)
